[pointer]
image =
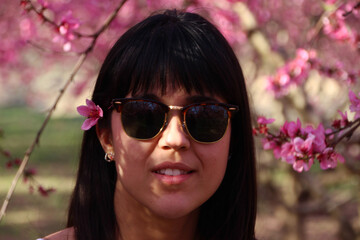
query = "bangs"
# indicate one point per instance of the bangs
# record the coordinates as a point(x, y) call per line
point(174, 55)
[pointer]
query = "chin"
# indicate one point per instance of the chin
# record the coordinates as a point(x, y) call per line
point(174, 211)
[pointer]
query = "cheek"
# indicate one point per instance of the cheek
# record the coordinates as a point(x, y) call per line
point(215, 163)
point(214, 158)
point(129, 153)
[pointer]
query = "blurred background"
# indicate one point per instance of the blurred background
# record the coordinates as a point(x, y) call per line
point(299, 58)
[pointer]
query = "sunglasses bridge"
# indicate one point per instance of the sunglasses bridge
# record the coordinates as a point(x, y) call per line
point(182, 118)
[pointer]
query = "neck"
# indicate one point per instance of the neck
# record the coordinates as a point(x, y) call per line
point(138, 222)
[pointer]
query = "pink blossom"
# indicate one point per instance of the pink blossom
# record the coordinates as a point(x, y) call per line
point(92, 112)
point(335, 27)
point(340, 123)
point(299, 153)
point(28, 173)
point(287, 153)
point(303, 147)
point(298, 68)
point(329, 158)
point(272, 143)
point(293, 73)
point(279, 83)
point(17, 161)
point(66, 30)
point(45, 192)
point(268, 143)
point(67, 24)
point(319, 143)
point(264, 120)
point(303, 165)
point(291, 129)
point(355, 104)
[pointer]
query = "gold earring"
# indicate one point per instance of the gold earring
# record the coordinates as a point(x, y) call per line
point(109, 157)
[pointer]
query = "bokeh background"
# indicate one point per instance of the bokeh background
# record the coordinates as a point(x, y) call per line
point(40, 42)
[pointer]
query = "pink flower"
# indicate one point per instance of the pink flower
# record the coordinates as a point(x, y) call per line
point(268, 143)
point(302, 165)
point(340, 123)
point(329, 158)
point(263, 120)
point(303, 147)
point(298, 68)
point(17, 161)
point(45, 192)
point(299, 153)
point(291, 129)
point(287, 153)
point(273, 144)
point(92, 112)
point(355, 104)
point(29, 173)
point(319, 143)
point(66, 30)
point(335, 27)
point(279, 83)
point(68, 23)
point(293, 73)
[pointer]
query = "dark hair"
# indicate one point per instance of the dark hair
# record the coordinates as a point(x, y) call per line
point(171, 49)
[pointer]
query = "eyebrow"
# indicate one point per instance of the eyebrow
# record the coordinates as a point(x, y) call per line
point(189, 100)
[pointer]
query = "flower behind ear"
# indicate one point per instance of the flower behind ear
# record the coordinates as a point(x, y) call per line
point(92, 112)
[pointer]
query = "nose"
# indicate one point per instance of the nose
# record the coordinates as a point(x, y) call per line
point(173, 136)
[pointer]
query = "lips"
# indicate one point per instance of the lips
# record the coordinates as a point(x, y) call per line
point(172, 173)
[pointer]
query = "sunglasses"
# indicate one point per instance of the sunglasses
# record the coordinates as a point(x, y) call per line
point(145, 119)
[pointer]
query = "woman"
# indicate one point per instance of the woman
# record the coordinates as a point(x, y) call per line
point(176, 135)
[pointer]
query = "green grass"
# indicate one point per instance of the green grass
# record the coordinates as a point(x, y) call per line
point(30, 216)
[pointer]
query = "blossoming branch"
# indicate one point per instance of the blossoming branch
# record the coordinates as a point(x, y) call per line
point(301, 146)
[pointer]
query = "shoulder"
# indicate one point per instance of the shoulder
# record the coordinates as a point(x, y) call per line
point(66, 234)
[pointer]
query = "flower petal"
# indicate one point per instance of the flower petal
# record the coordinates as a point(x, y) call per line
point(100, 111)
point(298, 165)
point(84, 110)
point(90, 104)
point(88, 123)
point(340, 158)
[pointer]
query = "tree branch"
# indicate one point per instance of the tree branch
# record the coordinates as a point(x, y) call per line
point(73, 73)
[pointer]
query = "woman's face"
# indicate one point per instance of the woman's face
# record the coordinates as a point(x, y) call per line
point(139, 163)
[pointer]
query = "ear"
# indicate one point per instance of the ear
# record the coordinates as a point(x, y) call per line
point(105, 137)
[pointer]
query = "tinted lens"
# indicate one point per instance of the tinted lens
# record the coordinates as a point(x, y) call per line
point(141, 119)
point(206, 123)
